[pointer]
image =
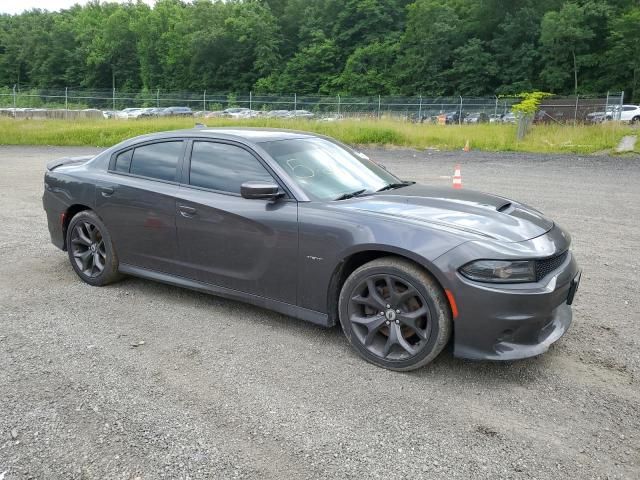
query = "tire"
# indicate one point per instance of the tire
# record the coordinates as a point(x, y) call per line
point(412, 331)
point(91, 251)
point(635, 120)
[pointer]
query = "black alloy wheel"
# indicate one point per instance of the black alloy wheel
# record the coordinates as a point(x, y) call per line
point(90, 250)
point(395, 314)
point(389, 317)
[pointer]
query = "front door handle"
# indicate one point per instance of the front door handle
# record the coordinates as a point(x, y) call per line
point(106, 191)
point(187, 211)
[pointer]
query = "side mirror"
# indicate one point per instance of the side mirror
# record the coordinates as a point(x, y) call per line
point(260, 190)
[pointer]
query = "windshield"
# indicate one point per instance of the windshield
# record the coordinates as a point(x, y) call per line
point(326, 171)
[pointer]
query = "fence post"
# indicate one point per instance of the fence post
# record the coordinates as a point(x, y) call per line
point(620, 105)
point(495, 111)
point(420, 110)
point(250, 100)
point(575, 112)
point(157, 98)
point(66, 102)
point(338, 105)
point(15, 99)
point(204, 101)
point(460, 115)
point(295, 104)
point(379, 102)
point(114, 98)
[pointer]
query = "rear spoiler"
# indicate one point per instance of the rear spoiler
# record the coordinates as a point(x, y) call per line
point(58, 162)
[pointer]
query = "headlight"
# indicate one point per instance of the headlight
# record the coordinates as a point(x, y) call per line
point(500, 271)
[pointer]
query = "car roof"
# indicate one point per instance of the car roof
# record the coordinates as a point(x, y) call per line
point(243, 134)
point(256, 135)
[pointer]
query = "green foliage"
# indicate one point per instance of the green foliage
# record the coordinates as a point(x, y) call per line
point(530, 103)
point(570, 40)
point(353, 47)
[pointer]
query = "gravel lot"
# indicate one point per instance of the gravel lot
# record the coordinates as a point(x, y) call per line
point(224, 390)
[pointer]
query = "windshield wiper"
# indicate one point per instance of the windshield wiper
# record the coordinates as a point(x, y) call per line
point(347, 195)
point(393, 186)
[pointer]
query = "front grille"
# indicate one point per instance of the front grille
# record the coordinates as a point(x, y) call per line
point(548, 265)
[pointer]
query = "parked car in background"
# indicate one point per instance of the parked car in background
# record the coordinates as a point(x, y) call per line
point(630, 113)
point(150, 112)
point(510, 118)
point(278, 113)
point(236, 112)
point(495, 118)
point(215, 114)
point(176, 112)
point(453, 117)
point(597, 117)
point(302, 114)
point(128, 113)
point(332, 118)
point(480, 117)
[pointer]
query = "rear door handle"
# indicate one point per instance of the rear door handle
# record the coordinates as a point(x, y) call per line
point(106, 191)
point(187, 211)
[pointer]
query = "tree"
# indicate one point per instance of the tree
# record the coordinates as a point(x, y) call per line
point(111, 52)
point(431, 35)
point(359, 47)
point(623, 56)
point(370, 70)
point(312, 70)
point(568, 37)
point(516, 51)
point(474, 69)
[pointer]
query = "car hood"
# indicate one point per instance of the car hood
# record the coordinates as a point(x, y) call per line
point(465, 210)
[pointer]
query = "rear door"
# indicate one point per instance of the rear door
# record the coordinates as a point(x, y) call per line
point(226, 240)
point(137, 204)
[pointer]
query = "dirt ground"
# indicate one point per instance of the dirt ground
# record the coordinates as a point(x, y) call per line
point(224, 390)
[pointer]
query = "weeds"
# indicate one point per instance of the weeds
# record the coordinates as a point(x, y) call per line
point(489, 137)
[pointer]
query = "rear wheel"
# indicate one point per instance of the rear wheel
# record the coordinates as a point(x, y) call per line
point(395, 314)
point(635, 119)
point(90, 250)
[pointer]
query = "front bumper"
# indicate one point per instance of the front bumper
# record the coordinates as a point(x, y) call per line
point(510, 322)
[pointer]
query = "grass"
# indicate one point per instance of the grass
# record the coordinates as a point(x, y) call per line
point(542, 138)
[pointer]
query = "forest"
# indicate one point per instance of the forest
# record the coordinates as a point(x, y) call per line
point(351, 47)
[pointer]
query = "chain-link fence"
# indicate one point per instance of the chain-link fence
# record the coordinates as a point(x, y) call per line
point(74, 103)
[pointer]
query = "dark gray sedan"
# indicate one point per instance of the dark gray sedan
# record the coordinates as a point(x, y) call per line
point(305, 226)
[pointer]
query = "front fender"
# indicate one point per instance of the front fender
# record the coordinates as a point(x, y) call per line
point(328, 238)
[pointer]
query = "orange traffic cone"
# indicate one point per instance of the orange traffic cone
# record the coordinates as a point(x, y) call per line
point(467, 148)
point(457, 178)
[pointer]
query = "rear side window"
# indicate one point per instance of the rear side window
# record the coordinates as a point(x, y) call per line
point(123, 161)
point(157, 160)
point(223, 167)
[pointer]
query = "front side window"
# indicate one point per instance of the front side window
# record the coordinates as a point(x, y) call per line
point(325, 170)
point(223, 167)
point(157, 160)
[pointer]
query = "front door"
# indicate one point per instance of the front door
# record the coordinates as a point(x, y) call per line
point(230, 241)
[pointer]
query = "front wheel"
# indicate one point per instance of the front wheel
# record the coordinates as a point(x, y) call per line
point(90, 250)
point(395, 314)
